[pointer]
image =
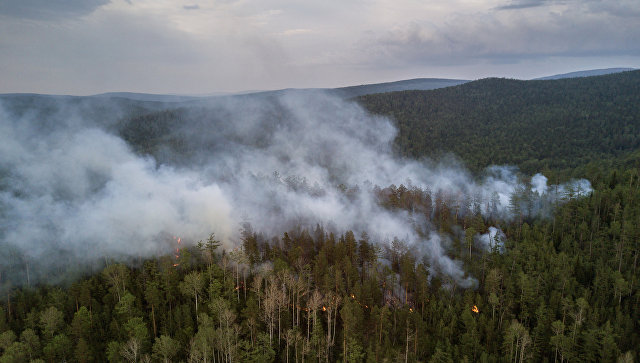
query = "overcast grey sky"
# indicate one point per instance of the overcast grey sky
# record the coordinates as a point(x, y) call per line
point(195, 46)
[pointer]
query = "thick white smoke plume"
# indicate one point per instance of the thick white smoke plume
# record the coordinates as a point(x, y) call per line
point(74, 190)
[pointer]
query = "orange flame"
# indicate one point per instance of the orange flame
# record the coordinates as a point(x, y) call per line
point(475, 309)
point(177, 254)
point(324, 308)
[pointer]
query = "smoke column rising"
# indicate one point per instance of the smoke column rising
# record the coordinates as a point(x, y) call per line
point(77, 189)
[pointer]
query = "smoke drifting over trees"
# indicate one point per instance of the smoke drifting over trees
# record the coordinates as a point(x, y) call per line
point(79, 189)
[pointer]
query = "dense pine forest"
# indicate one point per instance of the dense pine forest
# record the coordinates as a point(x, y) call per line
point(562, 287)
point(536, 125)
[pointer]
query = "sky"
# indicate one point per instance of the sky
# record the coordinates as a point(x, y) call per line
point(84, 47)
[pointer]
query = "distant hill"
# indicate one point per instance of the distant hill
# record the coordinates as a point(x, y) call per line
point(588, 73)
point(535, 124)
point(417, 84)
point(406, 85)
point(98, 110)
point(147, 97)
point(344, 92)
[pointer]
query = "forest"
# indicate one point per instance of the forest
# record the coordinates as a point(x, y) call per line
point(564, 289)
point(555, 288)
point(536, 125)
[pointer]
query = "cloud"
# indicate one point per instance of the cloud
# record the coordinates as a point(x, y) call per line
point(49, 9)
point(299, 31)
point(497, 37)
point(95, 46)
point(142, 47)
point(523, 4)
point(621, 8)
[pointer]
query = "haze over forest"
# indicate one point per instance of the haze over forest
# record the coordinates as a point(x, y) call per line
point(235, 181)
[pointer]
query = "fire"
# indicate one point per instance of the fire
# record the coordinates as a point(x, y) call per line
point(324, 308)
point(358, 301)
point(475, 309)
point(177, 253)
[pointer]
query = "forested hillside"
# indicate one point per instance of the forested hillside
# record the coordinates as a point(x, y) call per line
point(553, 124)
point(563, 289)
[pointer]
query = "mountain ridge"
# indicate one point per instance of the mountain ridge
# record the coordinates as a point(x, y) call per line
point(585, 73)
point(420, 83)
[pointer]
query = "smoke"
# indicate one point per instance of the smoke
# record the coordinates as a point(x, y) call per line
point(492, 240)
point(539, 184)
point(78, 190)
point(81, 194)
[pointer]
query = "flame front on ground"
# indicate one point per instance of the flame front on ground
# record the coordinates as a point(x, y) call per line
point(475, 309)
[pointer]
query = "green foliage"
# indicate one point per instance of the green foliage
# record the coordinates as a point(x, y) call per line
point(83, 351)
point(136, 328)
point(165, 348)
point(14, 353)
point(6, 339)
point(113, 352)
point(51, 321)
point(59, 349)
point(81, 323)
point(116, 276)
point(535, 125)
point(564, 288)
point(261, 351)
point(31, 343)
